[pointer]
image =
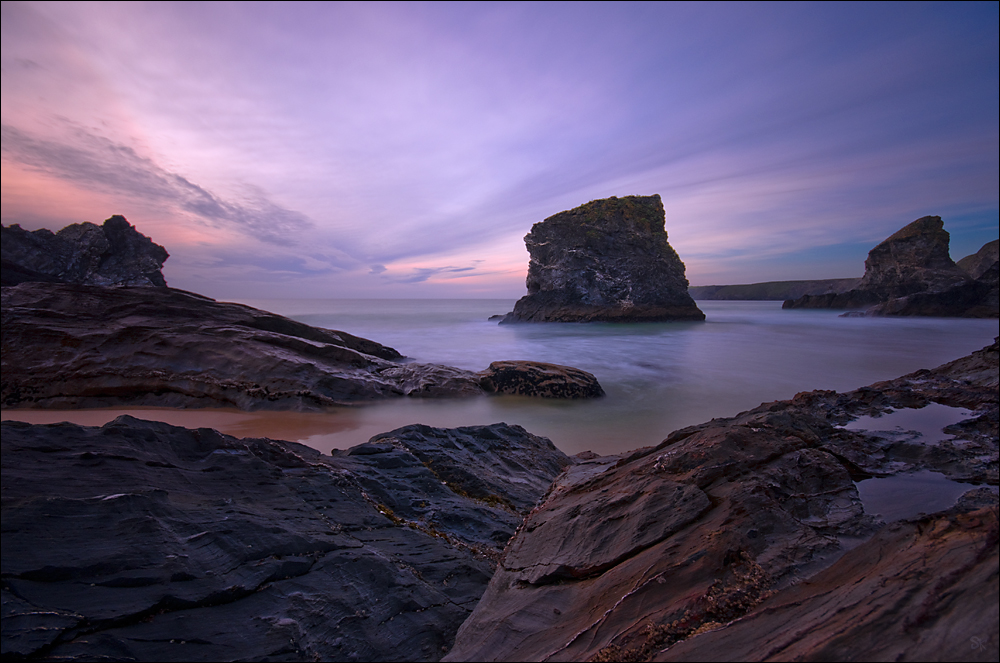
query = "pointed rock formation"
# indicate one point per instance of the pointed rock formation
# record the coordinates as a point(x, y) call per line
point(608, 260)
point(113, 254)
point(912, 273)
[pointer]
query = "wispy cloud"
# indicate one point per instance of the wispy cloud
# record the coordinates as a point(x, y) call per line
point(89, 160)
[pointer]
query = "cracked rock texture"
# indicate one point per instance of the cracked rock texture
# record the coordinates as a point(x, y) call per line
point(912, 273)
point(631, 554)
point(608, 260)
point(111, 254)
point(143, 541)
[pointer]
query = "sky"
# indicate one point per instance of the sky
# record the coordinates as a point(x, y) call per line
point(404, 150)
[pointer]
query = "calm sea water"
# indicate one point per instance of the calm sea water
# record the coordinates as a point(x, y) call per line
point(658, 376)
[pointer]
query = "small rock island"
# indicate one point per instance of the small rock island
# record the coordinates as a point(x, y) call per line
point(607, 260)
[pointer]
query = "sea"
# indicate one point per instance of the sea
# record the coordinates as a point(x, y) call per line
point(658, 376)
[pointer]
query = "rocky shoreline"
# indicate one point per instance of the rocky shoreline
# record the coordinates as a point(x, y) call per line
point(727, 529)
point(141, 540)
point(72, 345)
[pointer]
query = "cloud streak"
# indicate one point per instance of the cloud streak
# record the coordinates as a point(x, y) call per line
point(89, 160)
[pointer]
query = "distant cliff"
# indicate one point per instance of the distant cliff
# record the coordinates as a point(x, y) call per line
point(912, 273)
point(772, 290)
point(608, 260)
point(84, 253)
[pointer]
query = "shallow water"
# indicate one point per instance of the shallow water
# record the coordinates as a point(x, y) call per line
point(908, 495)
point(658, 376)
point(928, 421)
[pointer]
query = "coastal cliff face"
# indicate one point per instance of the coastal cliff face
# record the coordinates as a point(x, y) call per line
point(912, 273)
point(730, 536)
point(143, 541)
point(111, 254)
point(608, 260)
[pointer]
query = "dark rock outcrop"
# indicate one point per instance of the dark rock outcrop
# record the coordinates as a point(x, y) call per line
point(143, 541)
point(716, 530)
point(911, 273)
point(971, 299)
point(66, 345)
point(112, 254)
point(608, 260)
point(979, 262)
point(533, 378)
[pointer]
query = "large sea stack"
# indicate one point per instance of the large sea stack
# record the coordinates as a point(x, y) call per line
point(608, 260)
point(912, 273)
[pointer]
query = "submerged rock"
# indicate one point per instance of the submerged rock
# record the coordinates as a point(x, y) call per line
point(707, 540)
point(912, 273)
point(111, 254)
point(608, 260)
point(143, 541)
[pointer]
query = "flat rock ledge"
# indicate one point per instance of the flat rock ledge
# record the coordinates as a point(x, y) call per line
point(76, 346)
point(143, 541)
point(746, 538)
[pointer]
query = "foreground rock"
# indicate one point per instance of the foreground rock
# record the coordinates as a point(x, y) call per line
point(111, 254)
point(74, 346)
point(608, 260)
point(717, 528)
point(912, 273)
point(143, 541)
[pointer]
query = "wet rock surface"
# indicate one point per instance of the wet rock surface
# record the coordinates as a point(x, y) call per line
point(607, 260)
point(70, 346)
point(143, 541)
point(912, 273)
point(114, 253)
point(533, 378)
point(627, 556)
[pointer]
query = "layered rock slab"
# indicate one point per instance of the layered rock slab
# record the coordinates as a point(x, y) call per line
point(114, 253)
point(923, 590)
point(67, 345)
point(628, 555)
point(143, 541)
point(607, 260)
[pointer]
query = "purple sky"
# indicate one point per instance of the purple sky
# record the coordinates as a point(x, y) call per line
point(365, 150)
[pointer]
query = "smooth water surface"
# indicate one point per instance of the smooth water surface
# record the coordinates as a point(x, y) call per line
point(658, 376)
point(908, 495)
point(929, 421)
